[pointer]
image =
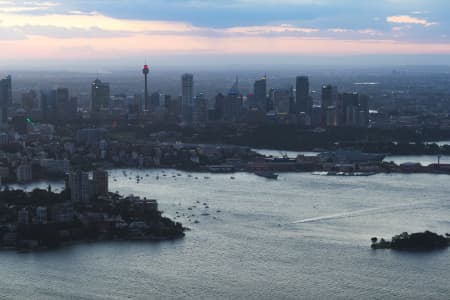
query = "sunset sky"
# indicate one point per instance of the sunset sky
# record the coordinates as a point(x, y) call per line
point(233, 30)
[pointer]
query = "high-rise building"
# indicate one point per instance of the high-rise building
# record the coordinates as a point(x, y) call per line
point(5, 98)
point(219, 106)
point(173, 106)
point(30, 101)
point(187, 94)
point(155, 100)
point(364, 111)
point(200, 110)
point(260, 90)
point(24, 173)
point(232, 105)
point(100, 95)
point(302, 98)
point(100, 180)
point(350, 109)
point(329, 98)
point(66, 107)
point(282, 101)
point(79, 186)
point(48, 105)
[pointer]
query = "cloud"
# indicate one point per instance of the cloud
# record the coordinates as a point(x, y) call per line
point(339, 30)
point(370, 32)
point(49, 30)
point(405, 19)
point(28, 6)
point(276, 29)
point(401, 28)
point(82, 24)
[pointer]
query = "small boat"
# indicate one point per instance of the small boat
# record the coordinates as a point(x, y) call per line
point(232, 177)
point(267, 174)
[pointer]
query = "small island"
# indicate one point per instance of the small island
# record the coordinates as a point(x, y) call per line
point(422, 241)
point(44, 219)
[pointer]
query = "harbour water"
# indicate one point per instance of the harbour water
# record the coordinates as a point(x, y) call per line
point(424, 160)
point(301, 236)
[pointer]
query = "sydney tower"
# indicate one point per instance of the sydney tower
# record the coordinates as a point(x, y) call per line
point(145, 71)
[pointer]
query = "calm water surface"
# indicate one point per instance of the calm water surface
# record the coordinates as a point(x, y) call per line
point(302, 236)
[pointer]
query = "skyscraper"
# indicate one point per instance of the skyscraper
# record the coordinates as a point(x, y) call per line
point(302, 98)
point(187, 93)
point(5, 98)
point(79, 185)
point(66, 107)
point(100, 95)
point(282, 100)
point(145, 71)
point(350, 109)
point(100, 180)
point(329, 98)
point(200, 110)
point(260, 90)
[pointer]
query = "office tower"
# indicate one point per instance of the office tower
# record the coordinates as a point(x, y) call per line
point(282, 101)
point(219, 106)
point(100, 95)
point(350, 109)
point(173, 106)
point(187, 93)
point(65, 107)
point(364, 111)
point(100, 180)
point(329, 98)
point(155, 100)
point(200, 110)
point(24, 173)
point(331, 116)
point(260, 90)
point(302, 98)
point(5, 98)
point(145, 71)
point(232, 105)
point(30, 101)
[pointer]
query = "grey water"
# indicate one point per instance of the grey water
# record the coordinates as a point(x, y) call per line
point(299, 237)
point(424, 160)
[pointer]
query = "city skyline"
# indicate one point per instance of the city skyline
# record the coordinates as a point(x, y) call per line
point(247, 32)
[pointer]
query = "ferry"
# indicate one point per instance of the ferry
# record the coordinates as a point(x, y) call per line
point(267, 174)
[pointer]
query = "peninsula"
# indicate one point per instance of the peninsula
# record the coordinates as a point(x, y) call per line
point(44, 219)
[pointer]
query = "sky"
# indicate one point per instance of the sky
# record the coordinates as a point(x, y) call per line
point(95, 32)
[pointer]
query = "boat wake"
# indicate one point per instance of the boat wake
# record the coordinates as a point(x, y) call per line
point(362, 212)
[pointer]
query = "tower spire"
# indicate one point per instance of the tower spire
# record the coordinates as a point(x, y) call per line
point(145, 71)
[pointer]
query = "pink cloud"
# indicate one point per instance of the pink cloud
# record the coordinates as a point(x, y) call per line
point(404, 19)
